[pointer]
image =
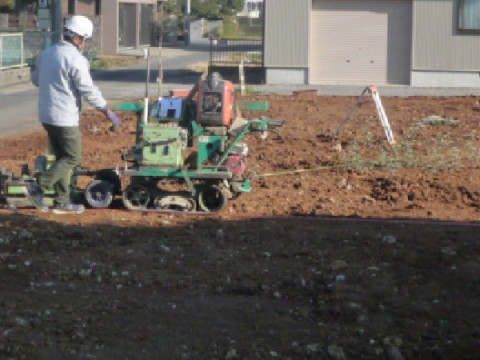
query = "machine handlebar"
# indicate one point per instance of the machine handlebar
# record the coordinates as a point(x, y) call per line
point(263, 124)
point(275, 123)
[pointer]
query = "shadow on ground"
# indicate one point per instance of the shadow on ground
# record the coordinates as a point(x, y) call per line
point(206, 287)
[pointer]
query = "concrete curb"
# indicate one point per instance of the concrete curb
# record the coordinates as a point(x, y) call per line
point(13, 76)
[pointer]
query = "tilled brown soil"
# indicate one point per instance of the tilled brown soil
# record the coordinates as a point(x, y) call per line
point(346, 249)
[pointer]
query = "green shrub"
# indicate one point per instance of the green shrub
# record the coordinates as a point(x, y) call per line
point(100, 64)
point(7, 6)
point(230, 29)
point(91, 54)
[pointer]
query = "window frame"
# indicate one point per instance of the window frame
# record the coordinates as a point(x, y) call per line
point(461, 19)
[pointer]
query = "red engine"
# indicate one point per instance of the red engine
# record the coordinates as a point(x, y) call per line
point(236, 164)
point(215, 101)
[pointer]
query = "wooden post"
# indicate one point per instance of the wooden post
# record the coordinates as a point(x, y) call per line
point(241, 72)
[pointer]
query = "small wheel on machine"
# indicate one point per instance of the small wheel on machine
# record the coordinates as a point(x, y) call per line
point(136, 197)
point(175, 202)
point(99, 194)
point(212, 198)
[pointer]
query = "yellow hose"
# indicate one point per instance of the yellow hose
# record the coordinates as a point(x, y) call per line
point(281, 173)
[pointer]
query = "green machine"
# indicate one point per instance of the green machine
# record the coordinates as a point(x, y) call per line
point(181, 162)
point(99, 193)
point(188, 156)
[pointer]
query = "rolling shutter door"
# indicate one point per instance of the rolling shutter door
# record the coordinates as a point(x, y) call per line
point(360, 41)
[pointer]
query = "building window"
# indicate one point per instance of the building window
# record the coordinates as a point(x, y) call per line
point(469, 15)
point(254, 7)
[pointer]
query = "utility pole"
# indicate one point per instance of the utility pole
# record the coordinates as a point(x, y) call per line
point(160, 60)
point(57, 23)
point(187, 24)
point(44, 22)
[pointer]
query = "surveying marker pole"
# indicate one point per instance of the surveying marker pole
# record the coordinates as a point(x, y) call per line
point(147, 80)
point(160, 58)
point(241, 72)
point(352, 109)
point(381, 113)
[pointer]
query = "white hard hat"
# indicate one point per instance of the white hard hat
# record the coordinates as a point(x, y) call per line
point(80, 25)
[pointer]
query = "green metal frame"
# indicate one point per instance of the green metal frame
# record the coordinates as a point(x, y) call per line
point(207, 146)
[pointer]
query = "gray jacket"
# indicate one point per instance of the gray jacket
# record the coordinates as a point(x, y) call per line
point(62, 75)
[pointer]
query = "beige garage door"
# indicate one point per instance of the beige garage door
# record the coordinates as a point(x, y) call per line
point(360, 42)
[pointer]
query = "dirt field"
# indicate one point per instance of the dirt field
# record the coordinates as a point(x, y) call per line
point(345, 249)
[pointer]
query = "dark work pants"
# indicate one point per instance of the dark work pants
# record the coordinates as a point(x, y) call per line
point(66, 145)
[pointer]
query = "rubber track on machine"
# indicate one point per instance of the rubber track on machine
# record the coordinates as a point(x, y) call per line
point(176, 211)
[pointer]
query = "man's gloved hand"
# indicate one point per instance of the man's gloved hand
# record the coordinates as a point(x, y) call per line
point(114, 119)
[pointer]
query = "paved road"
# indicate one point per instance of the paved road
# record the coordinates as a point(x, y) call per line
point(18, 109)
point(125, 83)
point(18, 102)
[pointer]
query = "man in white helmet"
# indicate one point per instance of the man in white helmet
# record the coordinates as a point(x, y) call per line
point(62, 74)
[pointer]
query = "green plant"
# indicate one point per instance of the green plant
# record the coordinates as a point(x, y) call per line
point(438, 120)
point(251, 90)
point(100, 64)
point(411, 159)
point(353, 158)
point(200, 67)
point(438, 161)
point(413, 150)
point(91, 54)
point(7, 6)
point(229, 29)
point(456, 158)
point(169, 7)
point(472, 152)
point(216, 9)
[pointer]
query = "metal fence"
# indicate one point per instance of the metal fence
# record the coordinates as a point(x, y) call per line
point(21, 49)
point(232, 52)
point(11, 50)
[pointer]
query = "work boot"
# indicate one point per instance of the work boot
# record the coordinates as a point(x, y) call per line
point(35, 194)
point(68, 208)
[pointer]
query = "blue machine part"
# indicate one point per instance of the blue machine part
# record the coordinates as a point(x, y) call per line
point(169, 108)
